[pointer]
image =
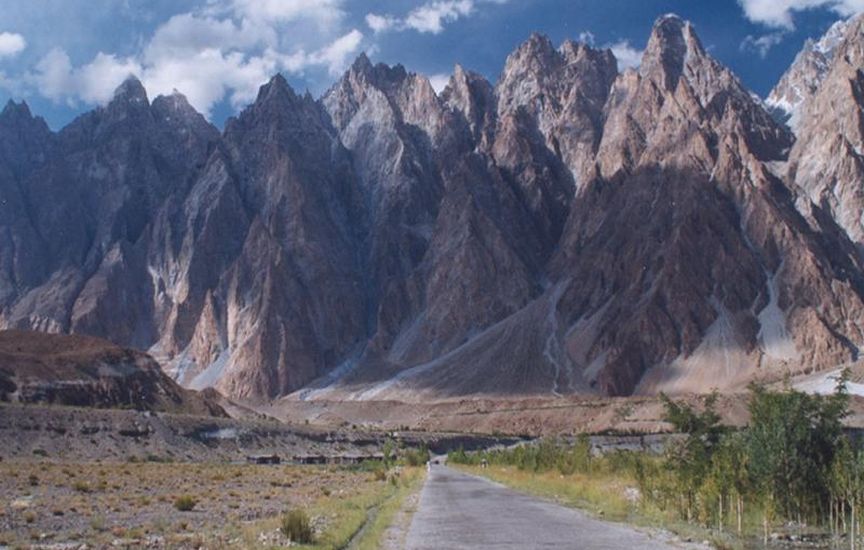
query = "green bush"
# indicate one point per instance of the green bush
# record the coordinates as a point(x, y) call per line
point(416, 457)
point(185, 503)
point(296, 526)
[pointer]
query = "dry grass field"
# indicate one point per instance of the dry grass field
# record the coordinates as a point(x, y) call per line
point(69, 505)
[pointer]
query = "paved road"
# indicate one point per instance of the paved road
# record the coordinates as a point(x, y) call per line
point(459, 511)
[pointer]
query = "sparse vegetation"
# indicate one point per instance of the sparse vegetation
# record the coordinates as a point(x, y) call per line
point(185, 503)
point(791, 470)
point(296, 527)
point(137, 502)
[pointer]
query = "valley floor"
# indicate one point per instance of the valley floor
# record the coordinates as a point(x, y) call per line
point(68, 505)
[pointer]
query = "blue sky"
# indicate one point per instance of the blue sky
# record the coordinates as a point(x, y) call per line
point(66, 56)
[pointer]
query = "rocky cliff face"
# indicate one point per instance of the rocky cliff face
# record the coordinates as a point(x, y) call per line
point(827, 161)
point(568, 229)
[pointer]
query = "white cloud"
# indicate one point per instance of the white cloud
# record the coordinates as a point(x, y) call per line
point(54, 74)
point(11, 44)
point(439, 82)
point(95, 82)
point(324, 12)
point(628, 57)
point(430, 17)
point(226, 51)
point(761, 44)
point(779, 13)
point(188, 33)
point(335, 56)
point(586, 37)
point(209, 75)
point(381, 23)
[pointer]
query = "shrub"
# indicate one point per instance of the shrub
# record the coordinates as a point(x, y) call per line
point(380, 474)
point(33, 479)
point(82, 487)
point(97, 523)
point(185, 503)
point(296, 526)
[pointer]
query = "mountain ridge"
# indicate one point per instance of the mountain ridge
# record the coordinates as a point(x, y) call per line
point(567, 229)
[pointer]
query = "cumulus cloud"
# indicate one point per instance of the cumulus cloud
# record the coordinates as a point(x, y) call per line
point(324, 12)
point(335, 56)
point(225, 51)
point(780, 13)
point(628, 57)
point(11, 44)
point(587, 37)
point(430, 17)
point(95, 82)
point(761, 44)
point(381, 23)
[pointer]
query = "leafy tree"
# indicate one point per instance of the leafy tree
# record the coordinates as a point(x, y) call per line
point(690, 460)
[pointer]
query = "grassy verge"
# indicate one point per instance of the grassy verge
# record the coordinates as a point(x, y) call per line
point(357, 520)
point(372, 536)
point(608, 496)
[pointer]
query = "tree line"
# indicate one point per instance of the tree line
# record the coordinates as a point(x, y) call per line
point(793, 463)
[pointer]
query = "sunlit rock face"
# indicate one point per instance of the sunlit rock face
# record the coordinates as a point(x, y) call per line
point(567, 229)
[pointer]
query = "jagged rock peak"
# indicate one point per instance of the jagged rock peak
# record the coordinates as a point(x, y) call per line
point(175, 103)
point(176, 111)
point(379, 75)
point(362, 64)
point(572, 50)
point(536, 53)
point(537, 43)
point(802, 79)
point(131, 91)
point(673, 42)
point(13, 109)
point(18, 116)
point(276, 87)
point(463, 76)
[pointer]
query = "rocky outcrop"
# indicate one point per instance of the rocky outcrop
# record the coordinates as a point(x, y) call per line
point(568, 229)
point(80, 371)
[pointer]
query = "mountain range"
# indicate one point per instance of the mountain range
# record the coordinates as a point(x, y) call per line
point(569, 229)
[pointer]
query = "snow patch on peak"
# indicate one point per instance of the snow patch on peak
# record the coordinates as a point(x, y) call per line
point(804, 77)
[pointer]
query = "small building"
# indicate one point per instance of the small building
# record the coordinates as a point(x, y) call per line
point(264, 459)
point(342, 459)
point(309, 459)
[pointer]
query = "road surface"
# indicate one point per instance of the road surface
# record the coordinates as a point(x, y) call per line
point(459, 511)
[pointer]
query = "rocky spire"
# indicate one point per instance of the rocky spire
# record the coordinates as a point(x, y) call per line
point(131, 89)
point(803, 78)
point(672, 42)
